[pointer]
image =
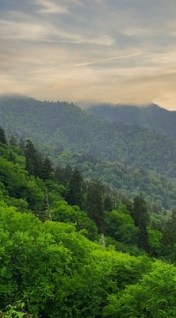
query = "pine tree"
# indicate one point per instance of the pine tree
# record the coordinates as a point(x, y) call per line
point(2, 136)
point(67, 174)
point(33, 159)
point(141, 219)
point(75, 192)
point(95, 203)
point(107, 204)
point(59, 174)
point(46, 169)
point(170, 231)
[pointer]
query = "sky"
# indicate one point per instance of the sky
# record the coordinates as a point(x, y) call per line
point(117, 51)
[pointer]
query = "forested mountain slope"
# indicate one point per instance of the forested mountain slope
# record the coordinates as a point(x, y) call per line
point(55, 261)
point(149, 116)
point(65, 126)
point(127, 157)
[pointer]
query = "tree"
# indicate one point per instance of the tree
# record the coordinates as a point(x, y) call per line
point(59, 174)
point(67, 173)
point(120, 226)
point(47, 169)
point(2, 136)
point(33, 159)
point(75, 193)
point(170, 231)
point(141, 219)
point(153, 296)
point(95, 203)
point(108, 204)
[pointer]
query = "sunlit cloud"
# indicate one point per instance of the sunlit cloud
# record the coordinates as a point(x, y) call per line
point(97, 50)
point(107, 59)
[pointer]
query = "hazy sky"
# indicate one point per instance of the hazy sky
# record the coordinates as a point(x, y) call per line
point(89, 50)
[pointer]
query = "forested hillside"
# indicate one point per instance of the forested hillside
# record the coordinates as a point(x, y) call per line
point(130, 158)
point(149, 116)
point(63, 126)
point(70, 248)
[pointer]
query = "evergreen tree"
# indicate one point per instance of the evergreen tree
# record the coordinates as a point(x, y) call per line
point(170, 231)
point(67, 174)
point(75, 191)
point(95, 203)
point(33, 159)
point(59, 174)
point(47, 169)
point(2, 136)
point(108, 205)
point(141, 219)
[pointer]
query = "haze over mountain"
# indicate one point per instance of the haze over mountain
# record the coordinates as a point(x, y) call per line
point(66, 125)
point(150, 116)
point(125, 155)
point(88, 192)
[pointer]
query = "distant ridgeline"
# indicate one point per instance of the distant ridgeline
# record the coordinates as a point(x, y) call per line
point(130, 149)
point(71, 248)
point(149, 116)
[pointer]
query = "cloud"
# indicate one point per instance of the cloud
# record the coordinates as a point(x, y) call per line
point(70, 38)
point(51, 7)
point(107, 59)
point(46, 32)
point(109, 50)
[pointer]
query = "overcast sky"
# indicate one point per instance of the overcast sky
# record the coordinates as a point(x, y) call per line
point(90, 50)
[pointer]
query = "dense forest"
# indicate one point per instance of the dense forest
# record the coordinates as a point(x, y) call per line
point(149, 116)
point(134, 153)
point(71, 247)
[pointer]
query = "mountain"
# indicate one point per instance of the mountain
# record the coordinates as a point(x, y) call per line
point(149, 116)
point(126, 156)
point(54, 262)
point(65, 126)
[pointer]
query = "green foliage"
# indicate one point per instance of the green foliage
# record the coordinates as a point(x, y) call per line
point(75, 189)
point(149, 116)
point(153, 297)
point(46, 169)
point(120, 226)
point(95, 203)
point(33, 160)
point(2, 136)
point(127, 156)
point(141, 219)
point(62, 212)
point(108, 204)
point(16, 311)
point(155, 242)
point(58, 265)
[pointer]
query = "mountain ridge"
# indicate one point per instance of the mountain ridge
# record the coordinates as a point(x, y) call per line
point(65, 125)
point(128, 157)
point(149, 116)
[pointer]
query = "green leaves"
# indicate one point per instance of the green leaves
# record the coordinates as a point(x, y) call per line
point(153, 296)
point(55, 271)
point(120, 226)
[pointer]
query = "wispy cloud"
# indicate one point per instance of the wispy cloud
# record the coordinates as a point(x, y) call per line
point(51, 7)
point(80, 50)
point(108, 59)
point(46, 32)
point(70, 38)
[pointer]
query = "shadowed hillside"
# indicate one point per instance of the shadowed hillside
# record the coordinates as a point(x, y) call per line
point(149, 116)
